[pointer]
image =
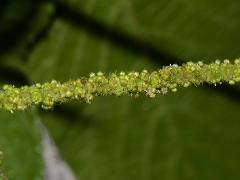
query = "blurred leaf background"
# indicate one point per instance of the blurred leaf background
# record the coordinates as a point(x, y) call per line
point(193, 134)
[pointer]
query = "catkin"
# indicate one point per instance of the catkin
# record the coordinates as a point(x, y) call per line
point(166, 79)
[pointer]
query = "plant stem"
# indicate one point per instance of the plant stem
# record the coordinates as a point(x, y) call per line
point(169, 78)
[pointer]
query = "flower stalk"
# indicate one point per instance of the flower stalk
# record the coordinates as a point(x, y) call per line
point(167, 79)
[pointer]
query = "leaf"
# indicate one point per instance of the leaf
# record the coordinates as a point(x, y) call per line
point(23, 25)
point(193, 134)
point(186, 29)
point(21, 145)
point(171, 137)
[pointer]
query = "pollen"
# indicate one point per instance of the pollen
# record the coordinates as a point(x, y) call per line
point(85, 89)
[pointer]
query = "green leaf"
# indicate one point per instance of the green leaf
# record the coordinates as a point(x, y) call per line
point(193, 134)
point(22, 25)
point(171, 137)
point(21, 145)
point(186, 29)
point(20, 141)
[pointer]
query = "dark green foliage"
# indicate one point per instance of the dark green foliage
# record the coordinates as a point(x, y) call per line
point(193, 134)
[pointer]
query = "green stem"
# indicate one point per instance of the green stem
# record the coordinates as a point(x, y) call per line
point(169, 78)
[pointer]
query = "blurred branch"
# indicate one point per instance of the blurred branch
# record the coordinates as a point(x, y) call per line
point(97, 28)
point(41, 35)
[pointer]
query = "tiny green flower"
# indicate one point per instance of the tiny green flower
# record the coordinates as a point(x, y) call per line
point(169, 78)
